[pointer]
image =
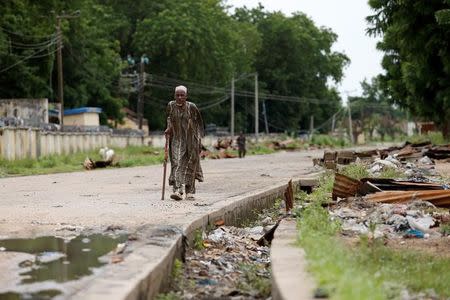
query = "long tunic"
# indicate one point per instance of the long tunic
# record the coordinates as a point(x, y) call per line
point(184, 145)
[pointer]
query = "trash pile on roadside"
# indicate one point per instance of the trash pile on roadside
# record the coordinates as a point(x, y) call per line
point(414, 205)
point(228, 263)
point(108, 159)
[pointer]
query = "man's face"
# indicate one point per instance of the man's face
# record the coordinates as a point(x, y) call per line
point(180, 97)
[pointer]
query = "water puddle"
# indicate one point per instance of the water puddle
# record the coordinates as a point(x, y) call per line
point(59, 260)
point(41, 295)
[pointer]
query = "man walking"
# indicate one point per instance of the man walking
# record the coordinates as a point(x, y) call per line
point(184, 130)
point(241, 145)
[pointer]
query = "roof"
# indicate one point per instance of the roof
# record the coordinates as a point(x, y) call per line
point(82, 110)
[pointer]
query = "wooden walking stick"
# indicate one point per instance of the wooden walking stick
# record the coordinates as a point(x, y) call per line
point(166, 154)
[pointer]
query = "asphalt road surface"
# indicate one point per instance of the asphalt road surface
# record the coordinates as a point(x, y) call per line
point(60, 204)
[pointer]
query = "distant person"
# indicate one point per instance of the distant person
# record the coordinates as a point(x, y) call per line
point(184, 130)
point(241, 145)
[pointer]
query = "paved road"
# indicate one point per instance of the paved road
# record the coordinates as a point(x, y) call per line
point(93, 200)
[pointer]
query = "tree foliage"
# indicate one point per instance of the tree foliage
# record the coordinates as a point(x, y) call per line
point(373, 112)
point(191, 42)
point(417, 56)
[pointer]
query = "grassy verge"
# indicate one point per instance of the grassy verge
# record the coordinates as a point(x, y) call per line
point(127, 157)
point(369, 270)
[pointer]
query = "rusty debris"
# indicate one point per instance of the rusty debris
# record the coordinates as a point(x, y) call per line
point(344, 186)
point(440, 198)
point(289, 197)
point(385, 184)
point(389, 190)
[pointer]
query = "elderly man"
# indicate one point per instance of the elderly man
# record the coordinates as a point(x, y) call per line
point(184, 130)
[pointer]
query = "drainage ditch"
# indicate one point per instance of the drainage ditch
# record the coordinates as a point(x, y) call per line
point(227, 262)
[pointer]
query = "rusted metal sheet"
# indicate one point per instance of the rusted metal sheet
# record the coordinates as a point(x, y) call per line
point(386, 184)
point(344, 186)
point(439, 197)
point(440, 152)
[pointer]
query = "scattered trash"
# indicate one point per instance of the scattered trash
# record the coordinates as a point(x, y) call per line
point(220, 222)
point(414, 233)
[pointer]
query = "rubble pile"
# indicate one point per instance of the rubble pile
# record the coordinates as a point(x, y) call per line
point(413, 205)
point(415, 219)
point(221, 149)
point(225, 268)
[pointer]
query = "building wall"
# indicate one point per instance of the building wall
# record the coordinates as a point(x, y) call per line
point(84, 119)
point(20, 143)
point(34, 110)
point(131, 124)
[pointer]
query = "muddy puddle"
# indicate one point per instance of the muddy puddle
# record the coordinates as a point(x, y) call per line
point(58, 260)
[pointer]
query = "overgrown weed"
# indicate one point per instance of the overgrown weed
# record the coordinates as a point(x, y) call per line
point(369, 270)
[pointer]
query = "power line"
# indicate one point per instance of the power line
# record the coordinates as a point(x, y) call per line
point(25, 35)
point(22, 60)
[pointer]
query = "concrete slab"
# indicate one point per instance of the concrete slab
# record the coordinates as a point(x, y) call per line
point(290, 279)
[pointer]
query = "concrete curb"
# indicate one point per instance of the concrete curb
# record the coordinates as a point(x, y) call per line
point(146, 271)
point(290, 280)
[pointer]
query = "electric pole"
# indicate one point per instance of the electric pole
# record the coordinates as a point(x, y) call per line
point(140, 104)
point(232, 109)
point(59, 46)
point(311, 127)
point(350, 124)
point(256, 107)
point(60, 71)
point(265, 117)
point(333, 123)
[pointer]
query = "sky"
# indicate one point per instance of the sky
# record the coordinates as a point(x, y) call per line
point(346, 19)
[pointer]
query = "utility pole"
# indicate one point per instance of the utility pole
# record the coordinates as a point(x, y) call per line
point(232, 109)
point(333, 123)
point(256, 107)
point(140, 105)
point(350, 124)
point(265, 117)
point(60, 71)
point(59, 46)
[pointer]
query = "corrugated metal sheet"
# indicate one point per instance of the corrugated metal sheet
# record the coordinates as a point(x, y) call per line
point(439, 198)
point(397, 185)
point(344, 186)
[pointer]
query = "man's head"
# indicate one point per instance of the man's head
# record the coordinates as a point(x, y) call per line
point(180, 95)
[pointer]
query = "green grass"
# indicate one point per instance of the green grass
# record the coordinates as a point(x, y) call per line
point(198, 240)
point(445, 229)
point(435, 137)
point(127, 157)
point(355, 171)
point(258, 149)
point(327, 140)
point(391, 173)
point(369, 270)
point(254, 281)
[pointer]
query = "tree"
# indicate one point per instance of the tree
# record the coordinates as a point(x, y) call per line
point(373, 111)
point(417, 56)
point(296, 60)
point(91, 67)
